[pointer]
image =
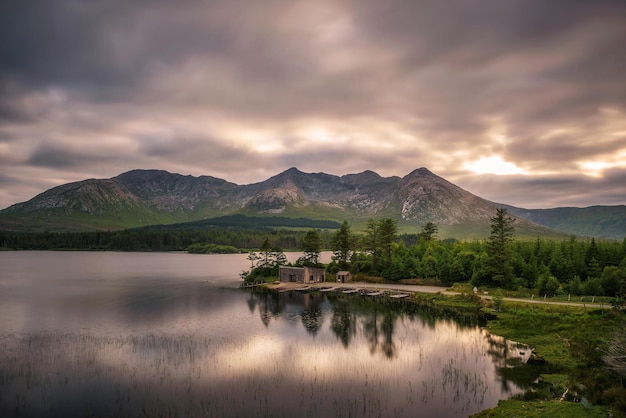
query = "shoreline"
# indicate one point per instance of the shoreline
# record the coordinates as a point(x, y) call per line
point(414, 289)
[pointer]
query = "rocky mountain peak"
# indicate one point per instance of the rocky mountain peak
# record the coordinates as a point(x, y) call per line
point(421, 172)
point(142, 197)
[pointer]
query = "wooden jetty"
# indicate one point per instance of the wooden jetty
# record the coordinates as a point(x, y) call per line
point(282, 287)
point(246, 285)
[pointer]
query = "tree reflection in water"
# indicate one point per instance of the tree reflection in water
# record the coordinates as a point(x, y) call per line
point(376, 320)
point(343, 324)
point(444, 373)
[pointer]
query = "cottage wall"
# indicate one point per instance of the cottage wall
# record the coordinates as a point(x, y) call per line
point(314, 275)
point(301, 274)
point(291, 274)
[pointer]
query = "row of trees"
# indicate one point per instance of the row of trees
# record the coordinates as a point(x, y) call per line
point(572, 266)
point(380, 252)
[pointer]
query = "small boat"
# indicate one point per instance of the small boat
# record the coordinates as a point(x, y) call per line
point(374, 294)
point(349, 291)
point(303, 289)
point(329, 289)
point(399, 296)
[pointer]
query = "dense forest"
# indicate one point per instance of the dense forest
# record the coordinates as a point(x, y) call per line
point(574, 266)
point(246, 222)
point(152, 240)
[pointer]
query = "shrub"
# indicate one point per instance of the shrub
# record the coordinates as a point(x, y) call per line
point(593, 287)
point(548, 285)
point(498, 300)
point(575, 286)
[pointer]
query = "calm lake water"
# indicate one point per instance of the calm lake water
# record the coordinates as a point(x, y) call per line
point(134, 334)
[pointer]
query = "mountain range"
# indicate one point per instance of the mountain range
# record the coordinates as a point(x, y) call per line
point(148, 197)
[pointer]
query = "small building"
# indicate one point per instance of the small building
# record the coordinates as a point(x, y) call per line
point(344, 276)
point(301, 274)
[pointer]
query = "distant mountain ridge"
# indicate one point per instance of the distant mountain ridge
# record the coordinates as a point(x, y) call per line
point(593, 221)
point(147, 197)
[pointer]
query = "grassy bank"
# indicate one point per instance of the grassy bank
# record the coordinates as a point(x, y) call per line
point(568, 378)
point(542, 409)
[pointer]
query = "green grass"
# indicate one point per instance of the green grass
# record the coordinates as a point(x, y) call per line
point(524, 293)
point(564, 336)
point(571, 340)
point(464, 300)
point(552, 409)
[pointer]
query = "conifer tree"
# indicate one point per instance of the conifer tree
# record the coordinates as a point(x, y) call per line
point(342, 245)
point(429, 231)
point(499, 248)
point(312, 246)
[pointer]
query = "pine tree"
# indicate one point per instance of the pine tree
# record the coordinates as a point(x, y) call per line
point(312, 246)
point(387, 237)
point(378, 241)
point(499, 248)
point(342, 245)
point(266, 253)
point(429, 231)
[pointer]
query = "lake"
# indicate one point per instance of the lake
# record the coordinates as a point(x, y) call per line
point(162, 334)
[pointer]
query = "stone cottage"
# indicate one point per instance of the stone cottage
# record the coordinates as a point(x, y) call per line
point(344, 276)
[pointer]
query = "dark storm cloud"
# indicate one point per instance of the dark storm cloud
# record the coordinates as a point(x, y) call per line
point(11, 107)
point(103, 46)
point(51, 156)
point(198, 150)
point(242, 90)
point(11, 113)
point(488, 57)
point(73, 41)
point(45, 42)
point(7, 180)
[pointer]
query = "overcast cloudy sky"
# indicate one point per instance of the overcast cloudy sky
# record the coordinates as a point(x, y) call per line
point(518, 101)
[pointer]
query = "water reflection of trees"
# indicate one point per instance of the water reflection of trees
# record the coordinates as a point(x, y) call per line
point(343, 323)
point(378, 330)
point(312, 317)
point(505, 354)
point(268, 303)
point(379, 318)
point(376, 319)
point(272, 305)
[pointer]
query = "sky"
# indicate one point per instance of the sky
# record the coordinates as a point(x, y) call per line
point(520, 102)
